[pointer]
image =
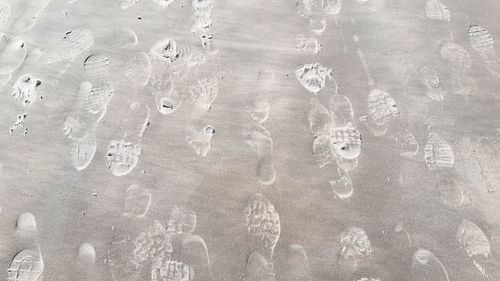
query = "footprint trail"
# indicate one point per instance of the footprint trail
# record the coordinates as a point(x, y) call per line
point(257, 136)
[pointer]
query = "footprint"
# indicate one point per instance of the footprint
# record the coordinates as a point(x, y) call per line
point(4, 13)
point(438, 153)
point(487, 155)
point(482, 270)
point(452, 194)
point(26, 224)
point(179, 60)
point(308, 8)
point(25, 89)
point(86, 254)
point(30, 61)
point(482, 41)
point(264, 83)
point(12, 53)
point(376, 130)
point(259, 138)
point(123, 153)
point(151, 242)
point(263, 225)
point(260, 107)
point(257, 268)
point(462, 84)
point(31, 10)
point(426, 266)
point(119, 38)
point(429, 78)
point(307, 44)
point(472, 239)
point(204, 91)
point(189, 253)
point(201, 18)
point(202, 10)
point(138, 69)
point(96, 67)
point(354, 244)
point(125, 4)
point(475, 243)
point(469, 166)
point(493, 67)
point(456, 56)
point(341, 110)
point(18, 128)
point(331, 7)
point(313, 76)
point(122, 260)
point(202, 6)
point(164, 50)
point(199, 139)
point(341, 184)
point(319, 118)
point(137, 202)
point(407, 144)
point(167, 97)
point(74, 43)
point(436, 10)
point(194, 252)
point(164, 3)
point(171, 270)
point(259, 112)
point(297, 264)
point(133, 247)
point(181, 221)
point(321, 150)
point(100, 95)
point(189, 57)
point(382, 107)
point(88, 109)
point(317, 25)
point(26, 265)
point(27, 233)
point(346, 141)
point(206, 36)
point(347, 164)
point(83, 151)
point(460, 61)
point(400, 239)
point(334, 141)
point(190, 249)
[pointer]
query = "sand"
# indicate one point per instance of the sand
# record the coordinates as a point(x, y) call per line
point(249, 140)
